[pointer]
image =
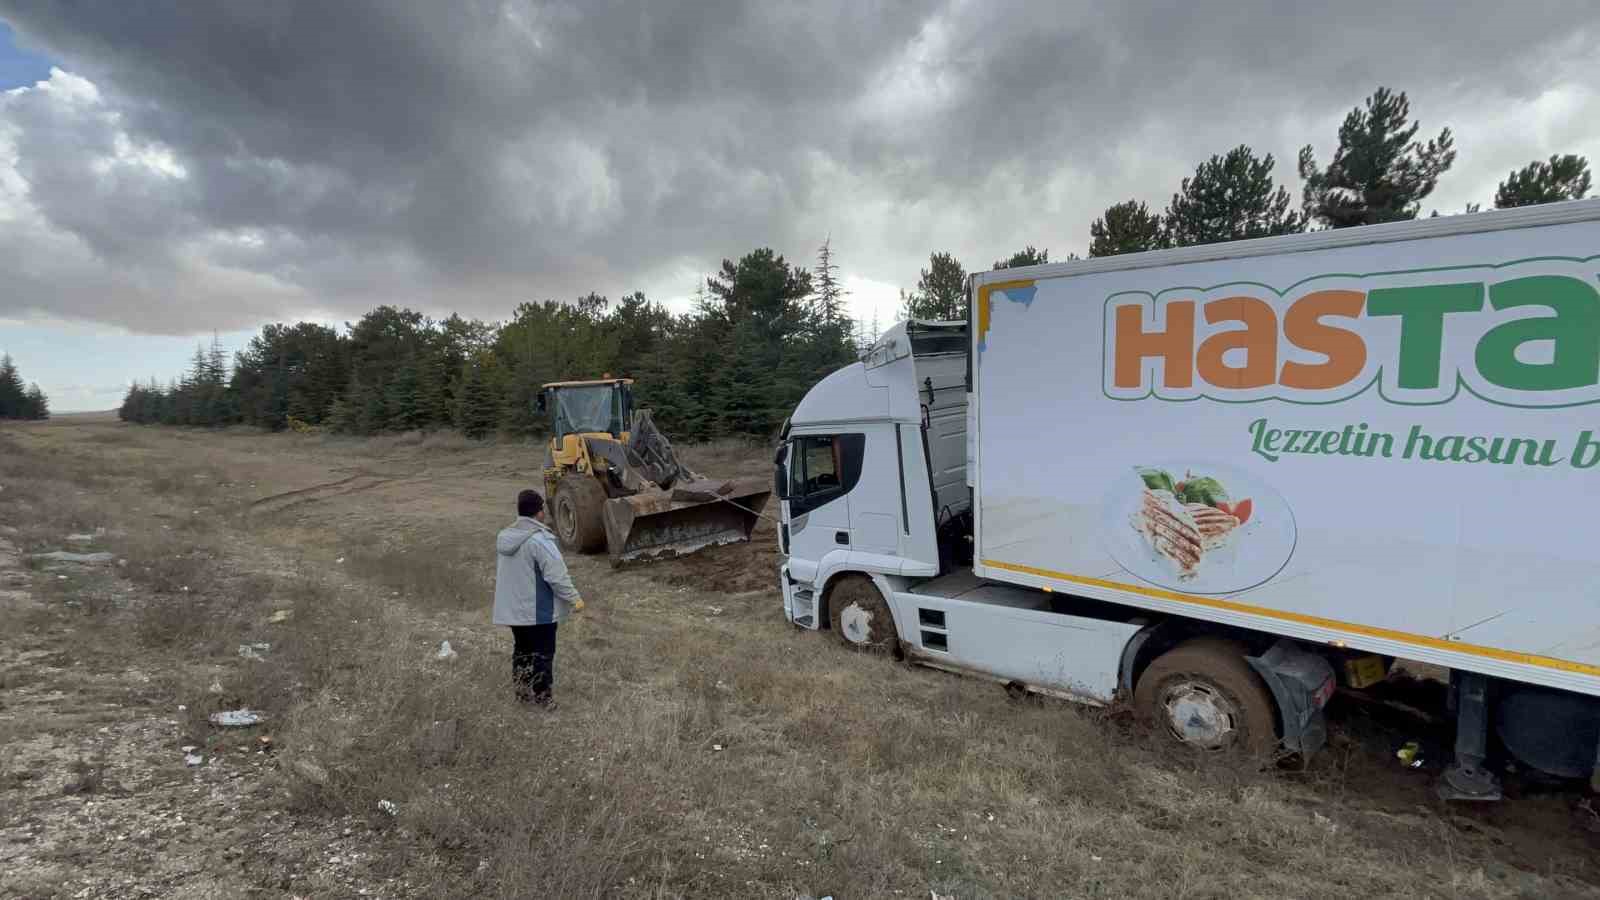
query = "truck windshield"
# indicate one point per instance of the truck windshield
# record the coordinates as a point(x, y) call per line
point(588, 409)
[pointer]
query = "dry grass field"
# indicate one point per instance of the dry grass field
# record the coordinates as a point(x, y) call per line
point(702, 748)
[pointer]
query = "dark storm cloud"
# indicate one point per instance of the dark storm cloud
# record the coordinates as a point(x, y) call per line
point(209, 165)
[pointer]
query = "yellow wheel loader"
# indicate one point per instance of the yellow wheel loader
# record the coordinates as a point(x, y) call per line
point(612, 480)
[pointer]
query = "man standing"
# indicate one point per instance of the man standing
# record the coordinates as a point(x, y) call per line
point(532, 592)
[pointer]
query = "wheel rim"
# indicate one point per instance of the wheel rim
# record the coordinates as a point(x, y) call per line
point(1199, 714)
point(855, 623)
point(567, 519)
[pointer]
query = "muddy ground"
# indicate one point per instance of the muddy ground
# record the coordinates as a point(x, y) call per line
point(703, 747)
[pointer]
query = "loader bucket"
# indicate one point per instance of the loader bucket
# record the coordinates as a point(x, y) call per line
point(658, 524)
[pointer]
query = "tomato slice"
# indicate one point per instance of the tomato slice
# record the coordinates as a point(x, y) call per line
point(1242, 510)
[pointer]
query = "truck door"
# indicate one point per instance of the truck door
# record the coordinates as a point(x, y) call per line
point(823, 468)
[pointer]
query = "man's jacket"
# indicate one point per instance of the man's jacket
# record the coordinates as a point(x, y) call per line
point(531, 584)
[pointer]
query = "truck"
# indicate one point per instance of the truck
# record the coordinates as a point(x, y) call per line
point(1219, 483)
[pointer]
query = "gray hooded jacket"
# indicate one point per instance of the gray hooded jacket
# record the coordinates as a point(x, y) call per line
point(531, 584)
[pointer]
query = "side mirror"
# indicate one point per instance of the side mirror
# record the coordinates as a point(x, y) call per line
point(780, 475)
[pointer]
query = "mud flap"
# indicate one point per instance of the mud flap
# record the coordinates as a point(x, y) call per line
point(663, 524)
point(1301, 683)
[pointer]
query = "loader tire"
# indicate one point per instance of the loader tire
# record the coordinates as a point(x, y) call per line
point(578, 511)
point(1204, 694)
point(859, 616)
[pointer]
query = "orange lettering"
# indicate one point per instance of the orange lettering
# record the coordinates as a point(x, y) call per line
point(1345, 350)
point(1258, 338)
point(1175, 346)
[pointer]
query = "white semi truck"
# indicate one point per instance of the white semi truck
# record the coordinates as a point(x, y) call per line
point(1219, 482)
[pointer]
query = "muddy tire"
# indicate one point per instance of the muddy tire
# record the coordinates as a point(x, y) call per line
point(1204, 694)
point(577, 514)
point(859, 616)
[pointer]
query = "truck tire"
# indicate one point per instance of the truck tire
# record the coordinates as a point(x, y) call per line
point(1204, 694)
point(860, 616)
point(577, 512)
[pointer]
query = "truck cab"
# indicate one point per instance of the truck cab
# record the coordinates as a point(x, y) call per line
point(872, 467)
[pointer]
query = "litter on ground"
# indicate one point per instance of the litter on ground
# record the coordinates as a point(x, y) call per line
point(237, 718)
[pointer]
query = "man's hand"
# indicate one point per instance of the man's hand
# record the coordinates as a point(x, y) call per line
point(577, 605)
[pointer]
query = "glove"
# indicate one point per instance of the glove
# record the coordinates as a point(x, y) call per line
point(577, 605)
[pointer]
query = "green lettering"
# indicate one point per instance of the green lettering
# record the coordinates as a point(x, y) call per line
point(1383, 440)
point(1417, 444)
point(1574, 330)
point(1262, 440)
point(1449, 448)
point(1293, 435)
point(1311, 441)
point(1330, 441)
point(1476, 451)
point(1349, 444)
point(1587, 452)
point(1422, 310)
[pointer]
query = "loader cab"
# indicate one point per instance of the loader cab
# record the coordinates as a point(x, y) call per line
point(604, 406)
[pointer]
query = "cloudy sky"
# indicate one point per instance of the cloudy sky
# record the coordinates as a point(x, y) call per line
point(171, 169)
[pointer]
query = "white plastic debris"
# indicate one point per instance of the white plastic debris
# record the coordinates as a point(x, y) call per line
point(280, 616)
point(80, 538)
point(717, 747)
point(715, 610)
point(215, 688)
point(445, 651)
point(182, 708)
point(339, 560)
point(256, 650)
point(389, 807)
point(193, 759)
point(237, 718)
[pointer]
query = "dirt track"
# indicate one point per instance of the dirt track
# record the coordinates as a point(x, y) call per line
point(840, 774)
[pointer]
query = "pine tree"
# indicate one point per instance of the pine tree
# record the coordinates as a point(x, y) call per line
point(433, 398)
point(941, 292)
point(35, 404)
point(402, 405)
point(1127, 227)
point(478, 409)
point(1562, 178)
point(12, 392)
point(129, 410)
point(1230, 197)
point(1028, 256)
point(829, 310)
point(1380, 173)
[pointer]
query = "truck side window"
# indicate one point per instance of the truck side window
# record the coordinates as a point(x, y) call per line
point(823, 468)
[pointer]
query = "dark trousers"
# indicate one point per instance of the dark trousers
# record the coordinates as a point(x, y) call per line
point(532, 656)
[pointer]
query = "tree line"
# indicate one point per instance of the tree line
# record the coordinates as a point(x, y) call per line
point(762, 331)
point(18, 401)
point(1381, 172)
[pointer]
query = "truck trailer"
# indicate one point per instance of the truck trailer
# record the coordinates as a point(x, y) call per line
point(1220, 482)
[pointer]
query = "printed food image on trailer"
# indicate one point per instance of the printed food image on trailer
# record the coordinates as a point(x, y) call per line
point(1200, 528)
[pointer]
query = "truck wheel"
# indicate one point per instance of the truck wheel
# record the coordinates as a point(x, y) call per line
point(577, 513)
point(1203, 693)
point(859, 615)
